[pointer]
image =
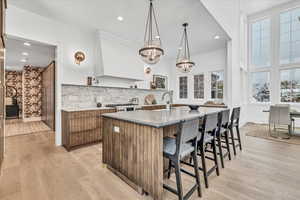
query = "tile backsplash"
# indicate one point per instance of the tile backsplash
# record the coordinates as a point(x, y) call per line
point(77, 96)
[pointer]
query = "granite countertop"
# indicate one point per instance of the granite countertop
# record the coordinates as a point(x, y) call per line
point(161, 118)
point(85, 109)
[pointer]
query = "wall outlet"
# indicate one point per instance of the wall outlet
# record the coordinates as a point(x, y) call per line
point(116, 129)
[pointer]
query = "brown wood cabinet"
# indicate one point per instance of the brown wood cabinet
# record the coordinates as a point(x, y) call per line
point(2, 83)
point(82, 127)
point(48, 96)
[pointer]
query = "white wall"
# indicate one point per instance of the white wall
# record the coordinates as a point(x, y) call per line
point(120, 58)
point(67, 39)
point(227, 14)
point(28, 25)
point(205, 64)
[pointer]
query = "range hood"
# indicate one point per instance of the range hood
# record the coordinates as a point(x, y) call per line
point(117, 60)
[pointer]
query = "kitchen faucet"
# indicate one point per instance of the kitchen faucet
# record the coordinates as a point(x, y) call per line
point(170, 102)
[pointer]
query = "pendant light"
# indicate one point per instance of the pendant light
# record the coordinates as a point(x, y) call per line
point(183, 62)
point(151, 51)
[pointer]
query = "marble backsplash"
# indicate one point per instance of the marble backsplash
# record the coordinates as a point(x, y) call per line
point(75, 96)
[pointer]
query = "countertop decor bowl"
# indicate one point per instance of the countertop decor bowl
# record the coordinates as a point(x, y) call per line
point(194, 107)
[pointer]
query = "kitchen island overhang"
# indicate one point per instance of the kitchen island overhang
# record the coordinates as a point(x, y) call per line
point(133, 144)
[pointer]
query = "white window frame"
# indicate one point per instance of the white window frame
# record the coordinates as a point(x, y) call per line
point(250, 87)
point(224, 84)
point(250, 42)
point(203, 86)
point(276, 67)
point(187, 83)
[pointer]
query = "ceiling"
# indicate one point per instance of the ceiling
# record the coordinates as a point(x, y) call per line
point(39, 55)
point(253, 6)
point(102, 15)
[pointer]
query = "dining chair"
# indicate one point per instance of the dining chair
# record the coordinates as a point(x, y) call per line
point(177, 149)
point(292, 119)
point(280, 115)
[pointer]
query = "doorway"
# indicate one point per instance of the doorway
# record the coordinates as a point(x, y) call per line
point(30, 87)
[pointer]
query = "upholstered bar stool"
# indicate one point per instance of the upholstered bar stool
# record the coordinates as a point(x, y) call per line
point(176, 149)
point(222, 136)
point(234, 124)
point(207, 137)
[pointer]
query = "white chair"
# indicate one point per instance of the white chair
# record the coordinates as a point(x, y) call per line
point(280, 115)
point(292, 119)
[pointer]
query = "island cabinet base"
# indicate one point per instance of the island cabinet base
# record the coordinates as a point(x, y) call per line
point(135, 153)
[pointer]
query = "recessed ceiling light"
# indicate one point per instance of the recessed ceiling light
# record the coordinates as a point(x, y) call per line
point(120, 18)
point(157, 37)
point(27, 44)
point(23, 60)
point(25, 54)
point(217, 37)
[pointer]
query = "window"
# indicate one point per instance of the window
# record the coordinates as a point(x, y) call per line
point(290, 85)
point(183, 87)
point(199, 86)
point(290, 37)
point(217, 85)
point(260, 84)
point(260, 43)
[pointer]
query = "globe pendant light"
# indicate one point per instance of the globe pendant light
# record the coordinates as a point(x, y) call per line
point(184, 63)
point(151, 51)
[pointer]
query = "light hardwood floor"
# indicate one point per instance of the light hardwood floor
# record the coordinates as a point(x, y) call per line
point(18, 127)
point(34, 169)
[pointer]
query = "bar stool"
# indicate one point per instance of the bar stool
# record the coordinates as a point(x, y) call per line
point(176, 149)
point(222, 136)
point(234, 123)
point(208, 135)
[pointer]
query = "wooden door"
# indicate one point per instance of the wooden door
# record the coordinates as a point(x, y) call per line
point(48, 96)
point(2, 84)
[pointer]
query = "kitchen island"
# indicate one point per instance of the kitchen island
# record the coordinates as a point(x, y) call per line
point(133, 144)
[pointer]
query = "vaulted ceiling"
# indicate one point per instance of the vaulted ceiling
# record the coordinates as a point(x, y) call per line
point(102, 15)
point(252, 6)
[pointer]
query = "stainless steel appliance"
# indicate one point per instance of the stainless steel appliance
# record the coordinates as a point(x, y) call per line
point(123, 106)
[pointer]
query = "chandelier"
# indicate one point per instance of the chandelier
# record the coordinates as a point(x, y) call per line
point(151, 51)
point(183, 62)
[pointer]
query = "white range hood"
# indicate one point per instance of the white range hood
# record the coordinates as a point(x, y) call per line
point(117, 59)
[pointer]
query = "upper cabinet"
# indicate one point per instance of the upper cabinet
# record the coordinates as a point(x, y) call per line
point(117, 58)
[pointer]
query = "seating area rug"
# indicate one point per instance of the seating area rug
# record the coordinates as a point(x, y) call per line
point(262, 131)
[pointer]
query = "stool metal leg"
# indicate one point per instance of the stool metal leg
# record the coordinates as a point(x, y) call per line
point(220, 150)
point(227, 144)
point(239, 136)
point(202, 153)
point(215, 157)
point(195, 160)
point(178, 180)
point(232, 140)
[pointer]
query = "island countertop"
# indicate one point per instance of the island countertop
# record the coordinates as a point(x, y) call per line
point(161, 118)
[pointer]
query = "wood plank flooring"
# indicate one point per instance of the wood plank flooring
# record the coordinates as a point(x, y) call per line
point(35, 169)
point(18, 127)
